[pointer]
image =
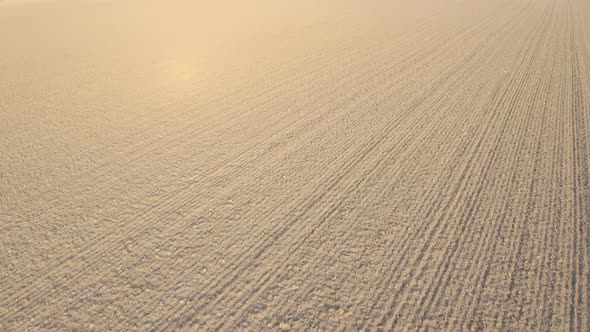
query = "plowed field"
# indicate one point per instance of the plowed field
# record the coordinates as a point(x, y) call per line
point(295, 165)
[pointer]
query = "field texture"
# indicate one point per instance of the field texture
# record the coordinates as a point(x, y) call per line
point(286, 165)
